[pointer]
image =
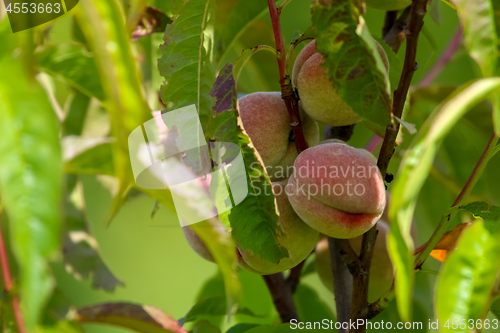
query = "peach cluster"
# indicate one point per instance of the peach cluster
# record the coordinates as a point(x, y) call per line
point(330, 188)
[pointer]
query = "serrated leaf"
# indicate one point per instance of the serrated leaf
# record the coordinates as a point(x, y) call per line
point(483, 210)
point(186, 60)
point(30, 181)
point(136, 317)
point(73, 64)
point(354, 66)
point(481, 39)
point(413, 172)
point(254, 220)
point(469, 274)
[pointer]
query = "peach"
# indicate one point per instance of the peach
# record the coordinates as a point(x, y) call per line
point(265, 119)
point(337, 189)
point(319, 99)
point(296, 236)
point(197, 244)
point(381, 271)
point(388, 4)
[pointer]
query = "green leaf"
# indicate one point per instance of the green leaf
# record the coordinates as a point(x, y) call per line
point(244, 14)
point(483, 210)
point(468, 275)
point(413, 171)
point(205, 327)
point(309, 268)
point(212, 306)
point(254, 220)
point(187, 59)
point(82, 259)
point(103, 24)
point(73, 64)
point(395, 64)
point(481, 39)
point(136, 317)
point(88, 155)
point(309, 307)
point(241, 328)
point(30, 181)
point(74, 121)
point(283, 328)
point(61, 327)
point(353, 62)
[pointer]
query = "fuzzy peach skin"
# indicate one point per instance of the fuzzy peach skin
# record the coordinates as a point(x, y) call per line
point(337, 190)
point(388, 4)
point(297, 237)
point(319, 99)
point(265, 119)
point(381, 271)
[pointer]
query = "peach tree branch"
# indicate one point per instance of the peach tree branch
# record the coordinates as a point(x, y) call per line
point(417, 12)
point(342, 282)
point(288, 94)
point(282, 296)
point(281, 289)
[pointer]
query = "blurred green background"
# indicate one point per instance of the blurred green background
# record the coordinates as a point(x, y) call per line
point(151, 255)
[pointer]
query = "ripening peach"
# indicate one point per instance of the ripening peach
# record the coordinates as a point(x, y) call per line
point(265, 119)
point(319, 99)
point(337, 189)
point(296, 236)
